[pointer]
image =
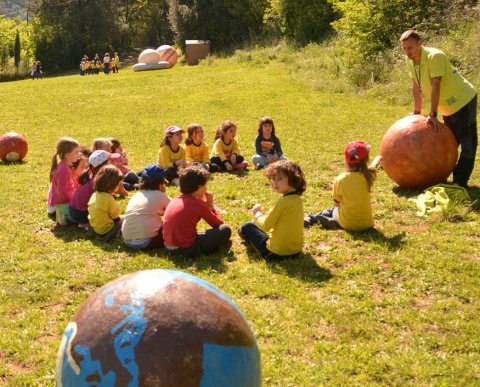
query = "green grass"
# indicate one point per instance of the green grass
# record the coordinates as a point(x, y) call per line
point(397, 305)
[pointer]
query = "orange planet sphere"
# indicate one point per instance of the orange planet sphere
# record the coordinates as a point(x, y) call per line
point(13, 147)
point(415, 155)
point(168, 54)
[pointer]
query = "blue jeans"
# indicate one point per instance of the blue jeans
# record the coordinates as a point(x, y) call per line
point(254, 235)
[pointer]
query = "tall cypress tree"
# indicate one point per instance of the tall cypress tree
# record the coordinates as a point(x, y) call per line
point(16, 51)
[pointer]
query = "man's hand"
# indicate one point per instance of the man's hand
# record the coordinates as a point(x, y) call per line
point(434, 123)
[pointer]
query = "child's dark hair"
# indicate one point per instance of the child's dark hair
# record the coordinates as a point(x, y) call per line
point(150, 185)
point(115, 144)
point(65, 145)
point(369, 173)
point(293, 172)
point(224, 127)
point(107, 179)
point(265, 120)
point(192, 178)
point(191, 130)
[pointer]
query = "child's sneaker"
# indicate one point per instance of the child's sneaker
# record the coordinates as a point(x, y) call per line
point(258, 166)
point(85, 226)
point(328, 223)
point(310, 219)
point(176, 182)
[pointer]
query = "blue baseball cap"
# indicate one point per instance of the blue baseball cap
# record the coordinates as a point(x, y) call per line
point(153, 172)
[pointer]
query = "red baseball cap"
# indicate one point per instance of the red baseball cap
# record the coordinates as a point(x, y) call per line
point(356, 151)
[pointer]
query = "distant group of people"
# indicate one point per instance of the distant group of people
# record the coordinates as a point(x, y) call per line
point(107, 64)
point(36, 72)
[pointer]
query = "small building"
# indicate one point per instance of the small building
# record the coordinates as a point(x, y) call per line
point(196, 50)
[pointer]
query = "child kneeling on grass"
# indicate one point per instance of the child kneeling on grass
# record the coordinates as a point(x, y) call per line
point(279, 233)
point(351, 192)
point(185, 211)
point(142, 222)
point(103, 211)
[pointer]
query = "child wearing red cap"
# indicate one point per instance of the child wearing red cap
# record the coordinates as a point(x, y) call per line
point(351, 192)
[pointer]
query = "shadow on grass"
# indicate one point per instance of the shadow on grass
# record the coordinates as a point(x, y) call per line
point(214, 261)
point(474, 193)
point(405, 192)
point(373, 235)
point(303, 266)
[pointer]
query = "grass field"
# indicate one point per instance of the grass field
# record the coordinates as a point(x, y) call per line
point(397, 305)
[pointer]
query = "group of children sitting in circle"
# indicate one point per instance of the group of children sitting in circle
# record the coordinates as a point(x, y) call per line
point(84, 182)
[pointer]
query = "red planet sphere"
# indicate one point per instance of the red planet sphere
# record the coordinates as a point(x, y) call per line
point(417, 156)
point(13, 147)
point(168, 54)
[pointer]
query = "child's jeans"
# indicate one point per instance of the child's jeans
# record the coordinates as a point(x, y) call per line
point(254, 235)
point(206, 242)
point(262, 161)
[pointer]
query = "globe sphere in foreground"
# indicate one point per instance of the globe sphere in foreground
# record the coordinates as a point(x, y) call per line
point(415, 155)
point(149, 56)
point(168, 54)
point(158, 328)
point(13, 147)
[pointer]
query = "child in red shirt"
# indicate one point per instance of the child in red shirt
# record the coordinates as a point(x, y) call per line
point(185, 211)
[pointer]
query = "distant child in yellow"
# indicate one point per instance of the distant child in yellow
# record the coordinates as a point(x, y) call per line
point(171, 155)
point(103, 211)
point(225, 152)
point(278, 234)
point(196, 148)
point(351, 192)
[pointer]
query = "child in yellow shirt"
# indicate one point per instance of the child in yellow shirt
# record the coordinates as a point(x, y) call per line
point(196, 148)
point(171, 155)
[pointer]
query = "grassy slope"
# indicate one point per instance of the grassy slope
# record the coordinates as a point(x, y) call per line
point(398, 305)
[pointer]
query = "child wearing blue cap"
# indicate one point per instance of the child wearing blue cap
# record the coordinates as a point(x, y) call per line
point(142, 223)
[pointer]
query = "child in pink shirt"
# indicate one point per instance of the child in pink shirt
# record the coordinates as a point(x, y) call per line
point(62, 183)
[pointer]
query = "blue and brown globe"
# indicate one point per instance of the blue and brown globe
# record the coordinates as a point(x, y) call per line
point(158, 328)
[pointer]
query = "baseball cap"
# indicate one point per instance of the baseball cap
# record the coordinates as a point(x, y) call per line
point(356, 151)
point(98, 157)
point(153, 172)
point(171, 130)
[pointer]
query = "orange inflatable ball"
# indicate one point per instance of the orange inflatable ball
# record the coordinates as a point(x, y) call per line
point(13, 147)
point(417, 156)
point(168, 54)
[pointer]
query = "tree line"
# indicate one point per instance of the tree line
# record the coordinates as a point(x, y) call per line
point(60, 32)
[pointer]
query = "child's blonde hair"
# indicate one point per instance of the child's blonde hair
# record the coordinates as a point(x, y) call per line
point(224, 127)
point(102, 143)
point(191, 130)
point(357, 157)
point(107, 179)
point(369, 173)
point(64, 145)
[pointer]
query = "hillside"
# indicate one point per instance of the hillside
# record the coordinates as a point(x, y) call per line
point(13, 8)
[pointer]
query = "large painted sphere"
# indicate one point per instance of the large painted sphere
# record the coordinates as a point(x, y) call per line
point(13, 147)
point(168, 54)
point(149, 56)
point(158, 328)
point(415, 155)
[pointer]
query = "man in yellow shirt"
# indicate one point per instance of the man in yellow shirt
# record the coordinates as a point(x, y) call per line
point(433, 75)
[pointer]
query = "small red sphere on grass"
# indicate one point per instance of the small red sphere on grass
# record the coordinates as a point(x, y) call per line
point(13, 147)
point(415, 155)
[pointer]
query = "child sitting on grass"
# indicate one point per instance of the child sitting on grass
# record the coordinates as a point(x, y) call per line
point(197, 149)
point(62, 182)
point(171, 155)
point(103, 211)
point(130, 178)
point(351, 192)
point(267, 145)
point(185, 211)
point(225, 153)
point(279, 233)
point(142, 222)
